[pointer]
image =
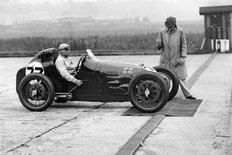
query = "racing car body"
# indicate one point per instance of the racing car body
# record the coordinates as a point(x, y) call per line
point(39, 83)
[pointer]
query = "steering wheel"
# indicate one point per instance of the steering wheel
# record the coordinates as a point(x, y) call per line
point(80, 62)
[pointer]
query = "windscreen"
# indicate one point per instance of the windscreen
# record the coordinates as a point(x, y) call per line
point(91, 55)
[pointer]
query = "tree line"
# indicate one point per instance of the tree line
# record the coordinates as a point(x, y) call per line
point(94, 42)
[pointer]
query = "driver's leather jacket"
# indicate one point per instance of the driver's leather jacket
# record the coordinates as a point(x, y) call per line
point(66, 68)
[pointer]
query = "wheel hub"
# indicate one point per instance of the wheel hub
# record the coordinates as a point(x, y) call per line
point(37, 91)
point(149, 91)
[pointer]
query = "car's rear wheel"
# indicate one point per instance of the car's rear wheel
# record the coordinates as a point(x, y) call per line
point(170, 79)
point(36, 92)
point(148, 92)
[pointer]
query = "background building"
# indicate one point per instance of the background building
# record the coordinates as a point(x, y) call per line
point(218, 30)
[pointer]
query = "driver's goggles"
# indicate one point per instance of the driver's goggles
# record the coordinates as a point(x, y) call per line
point(67, 48)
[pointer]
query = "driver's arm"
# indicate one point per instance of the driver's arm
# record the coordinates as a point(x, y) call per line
point(60, 65)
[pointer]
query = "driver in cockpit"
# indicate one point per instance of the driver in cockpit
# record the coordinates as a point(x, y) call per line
point(65, 65)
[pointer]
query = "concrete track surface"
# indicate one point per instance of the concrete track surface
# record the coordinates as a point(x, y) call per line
point(98, 128)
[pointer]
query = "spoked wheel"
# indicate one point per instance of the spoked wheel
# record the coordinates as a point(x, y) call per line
point(170, 79)
point(36, 92)
point(148, 92)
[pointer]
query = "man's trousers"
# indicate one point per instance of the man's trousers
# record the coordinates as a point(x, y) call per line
point(184, 87)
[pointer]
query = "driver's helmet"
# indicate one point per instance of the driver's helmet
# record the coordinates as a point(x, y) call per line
point(64, 46)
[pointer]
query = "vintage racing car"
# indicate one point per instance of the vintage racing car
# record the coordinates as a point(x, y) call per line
point(148, 89)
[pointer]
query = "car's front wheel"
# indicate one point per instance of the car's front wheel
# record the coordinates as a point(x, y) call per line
point(170, 79)
point(148, 92)
point(36, 92)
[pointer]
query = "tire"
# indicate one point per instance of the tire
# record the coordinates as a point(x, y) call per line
point(36, 92)
point(171, 80)
point(148, 92)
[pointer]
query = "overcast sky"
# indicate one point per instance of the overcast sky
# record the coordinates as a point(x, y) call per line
point(156, 10)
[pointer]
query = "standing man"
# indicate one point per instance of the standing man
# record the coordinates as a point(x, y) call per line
point(65, 65)
point(172, 43)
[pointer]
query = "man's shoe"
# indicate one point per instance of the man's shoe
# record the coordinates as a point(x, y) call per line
point(191, 97)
